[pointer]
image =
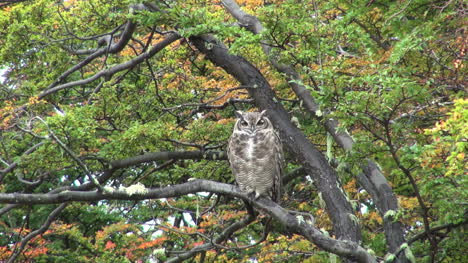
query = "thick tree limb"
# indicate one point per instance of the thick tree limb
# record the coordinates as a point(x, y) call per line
point(115, 194)
point(314, 162)
point(372, 178)
point(343, 248)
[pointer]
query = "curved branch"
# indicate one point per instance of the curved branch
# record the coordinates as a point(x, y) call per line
point(124, 163)
point(125, 37)
point(14, 164)
point(7, 208)
point(108, 73)
point(425, 234)
point(36, 232)
point(131, 161)
point(343, 248)
point(119, 194)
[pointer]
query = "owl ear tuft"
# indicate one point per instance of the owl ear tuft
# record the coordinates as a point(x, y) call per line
point(263, 113)
point(239, 114)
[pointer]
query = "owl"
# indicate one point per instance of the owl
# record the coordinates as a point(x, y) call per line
point(255, 154)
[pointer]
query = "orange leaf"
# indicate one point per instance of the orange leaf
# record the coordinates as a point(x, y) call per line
point(110, 245)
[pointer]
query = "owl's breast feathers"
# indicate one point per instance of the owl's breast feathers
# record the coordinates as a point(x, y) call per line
point(252, 147)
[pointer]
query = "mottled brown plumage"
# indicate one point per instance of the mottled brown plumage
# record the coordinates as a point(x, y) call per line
point(255, 153)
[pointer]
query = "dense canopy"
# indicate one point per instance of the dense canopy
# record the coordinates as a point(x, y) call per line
point(115, 115)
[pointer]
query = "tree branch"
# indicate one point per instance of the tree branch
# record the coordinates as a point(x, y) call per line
point(125, 163)
point(435, 229)
point(343, 248)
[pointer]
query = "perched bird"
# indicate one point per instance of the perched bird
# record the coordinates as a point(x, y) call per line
point(255, 154)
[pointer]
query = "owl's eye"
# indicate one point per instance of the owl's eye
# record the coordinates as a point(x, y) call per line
point(244, 123)
point(260, 122)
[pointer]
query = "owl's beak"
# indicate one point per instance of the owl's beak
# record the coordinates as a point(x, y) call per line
point(252, 130)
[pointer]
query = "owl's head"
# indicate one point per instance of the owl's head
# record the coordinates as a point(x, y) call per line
point(252, 122)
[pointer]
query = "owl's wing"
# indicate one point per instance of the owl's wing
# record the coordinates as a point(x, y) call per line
point(229, 149)
point(235, 161)
point(279, 165)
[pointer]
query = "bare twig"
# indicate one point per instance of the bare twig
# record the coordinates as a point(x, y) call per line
point(207, 104)
point(72, 155)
